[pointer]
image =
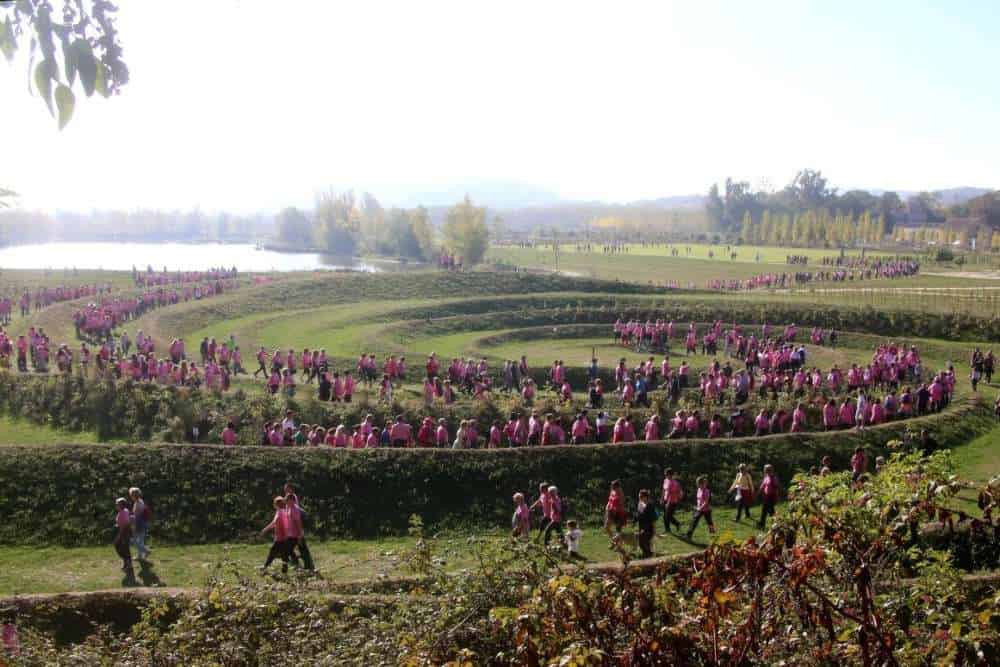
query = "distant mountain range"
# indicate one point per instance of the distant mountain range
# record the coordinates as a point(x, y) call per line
point(506, 196)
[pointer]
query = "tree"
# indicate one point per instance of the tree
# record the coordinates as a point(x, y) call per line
point(809, 189)
point(5, 197)
point(294, 228)
point(420, 224)
point(338, 222)
point(78, 49)
point(714, 208)
point(890, 206)
point(746, 229)
point(465, 232)
point(498, 228)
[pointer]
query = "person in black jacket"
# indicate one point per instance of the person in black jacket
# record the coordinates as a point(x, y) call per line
point(645, 519)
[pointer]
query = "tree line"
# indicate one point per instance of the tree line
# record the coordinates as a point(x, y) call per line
point(347, 224)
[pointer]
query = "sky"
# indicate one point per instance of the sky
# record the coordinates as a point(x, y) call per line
point(251, 105)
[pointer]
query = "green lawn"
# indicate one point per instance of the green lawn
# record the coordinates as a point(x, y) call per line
point(657, 265)
point(23, 432)
point(25, 569)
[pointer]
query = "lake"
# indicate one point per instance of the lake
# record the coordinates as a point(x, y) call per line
point(178, 256)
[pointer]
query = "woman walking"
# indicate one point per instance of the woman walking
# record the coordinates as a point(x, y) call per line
point(140, 522)
point(279, 526)
point(123, 535)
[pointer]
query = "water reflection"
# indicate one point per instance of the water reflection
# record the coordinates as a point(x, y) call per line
point(181, 256)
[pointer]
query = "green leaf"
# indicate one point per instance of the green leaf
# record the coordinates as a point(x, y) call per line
point(86, 65)
point(65, 102)
point(7, 43)
point(102, 82)
point(45, 72)
point(70, 56)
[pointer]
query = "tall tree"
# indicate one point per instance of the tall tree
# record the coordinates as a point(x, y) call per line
point(715, 208)
point(337, 222)
point(810, 189)
point(465, 232)
point(294, 228)
point(76, 48)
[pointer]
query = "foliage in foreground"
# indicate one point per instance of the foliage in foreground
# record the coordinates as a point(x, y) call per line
point(842, 578)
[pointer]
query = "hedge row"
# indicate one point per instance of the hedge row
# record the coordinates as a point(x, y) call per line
point(64, 494)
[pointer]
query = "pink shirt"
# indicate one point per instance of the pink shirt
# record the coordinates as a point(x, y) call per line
point(293, 517)
point(672, 492)
point(228, 436)
point(280, 526)
point(704, 499)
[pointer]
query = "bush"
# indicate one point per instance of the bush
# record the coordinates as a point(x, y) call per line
point(207, 493)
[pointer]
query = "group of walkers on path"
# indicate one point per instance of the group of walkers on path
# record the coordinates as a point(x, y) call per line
point(649, 508)
point(877, 270)
point(29, 301)
point(133, 516)
point(547, 514)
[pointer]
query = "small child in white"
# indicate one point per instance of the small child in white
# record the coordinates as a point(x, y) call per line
point(573, 535)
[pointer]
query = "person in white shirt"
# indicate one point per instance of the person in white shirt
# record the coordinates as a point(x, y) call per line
point(573, 535)
point(289, 422)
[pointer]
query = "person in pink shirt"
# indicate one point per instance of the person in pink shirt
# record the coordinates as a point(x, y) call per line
point(580, 429)
point(614, 511)
point(372, 441)
point(715, 427)
point(762, 424)
point(846, 418)
point(692, 424)
point(544, 505)
point(400, 433)
point(702, 508)
point(229, 434)
point(798, 419)
point(555, 516)
point(521, 521)
point(859, 463)
point(652, 431)
point(441, 436)
point(296, 531)
point(672, 496)
point(830, 415)
point(279, 527)
point(425, 433)
point(769, 492)
point(496, 436)
point(349, 384)
point(123, 537)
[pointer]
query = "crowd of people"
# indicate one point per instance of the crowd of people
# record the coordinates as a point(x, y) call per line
point(874, 270)
point(151, 278)
point(891, 385)
point(30, 301)
point(547, 513)
point(96, 322)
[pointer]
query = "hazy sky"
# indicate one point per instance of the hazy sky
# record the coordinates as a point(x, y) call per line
point(253, 104)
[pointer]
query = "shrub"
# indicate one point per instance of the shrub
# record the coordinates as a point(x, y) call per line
point(207, 493)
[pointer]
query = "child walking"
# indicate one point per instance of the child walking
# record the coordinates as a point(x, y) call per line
point(573, 535)
point(703, 507)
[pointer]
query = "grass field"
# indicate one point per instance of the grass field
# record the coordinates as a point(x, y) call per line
point(29, 569)
point(656, 264)
point(347, 318)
